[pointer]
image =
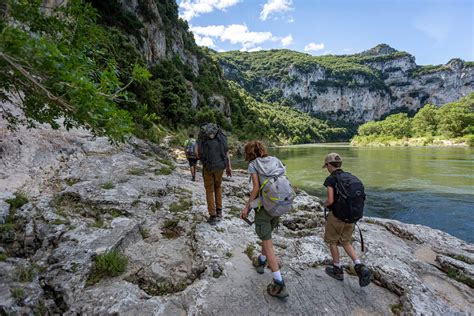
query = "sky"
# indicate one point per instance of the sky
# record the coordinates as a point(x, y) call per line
point(434, 31)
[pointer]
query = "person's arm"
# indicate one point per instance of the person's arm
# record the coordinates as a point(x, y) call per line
point(330, 197)
point(228, 169)
point(253, 195)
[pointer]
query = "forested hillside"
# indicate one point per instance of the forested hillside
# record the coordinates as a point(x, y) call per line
point(125, 68)
point(353, 88)
point(452, 121)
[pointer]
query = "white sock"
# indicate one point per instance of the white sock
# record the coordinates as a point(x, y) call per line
point(357, 261)
point(338, 264)
point(262, 258)
point(277, 275)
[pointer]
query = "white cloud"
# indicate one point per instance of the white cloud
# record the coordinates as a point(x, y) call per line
point(314, 47)
point(235, 34)
point(204, 41)
point(192, 8)
point(255, 49)
point(287, 40)
point(275, 6)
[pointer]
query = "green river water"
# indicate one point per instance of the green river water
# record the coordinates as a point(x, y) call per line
point(433, 186)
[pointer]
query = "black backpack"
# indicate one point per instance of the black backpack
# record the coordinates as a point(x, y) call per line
point(212, 147)
point(349, 206)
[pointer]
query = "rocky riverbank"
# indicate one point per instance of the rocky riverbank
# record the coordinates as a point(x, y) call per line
point(85, 197)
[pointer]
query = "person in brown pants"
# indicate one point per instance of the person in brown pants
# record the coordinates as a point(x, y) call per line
point(212, 150)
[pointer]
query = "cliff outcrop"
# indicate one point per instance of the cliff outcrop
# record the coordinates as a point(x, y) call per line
point(86, 197)
point(355, 88)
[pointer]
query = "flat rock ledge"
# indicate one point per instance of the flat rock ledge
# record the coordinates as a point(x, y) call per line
point(86, 197)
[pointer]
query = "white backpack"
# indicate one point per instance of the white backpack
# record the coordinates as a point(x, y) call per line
point(276, 194)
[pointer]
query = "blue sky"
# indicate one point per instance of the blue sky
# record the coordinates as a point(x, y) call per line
point(434, 31)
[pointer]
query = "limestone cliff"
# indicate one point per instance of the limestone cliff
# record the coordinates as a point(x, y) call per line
point(356, 88)
point(86, 197)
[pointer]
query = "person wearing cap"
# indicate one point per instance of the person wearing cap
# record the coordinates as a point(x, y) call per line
point(337, 232)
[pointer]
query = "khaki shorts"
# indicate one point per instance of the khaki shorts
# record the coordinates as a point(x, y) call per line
point(337, 231)
point(264, 224)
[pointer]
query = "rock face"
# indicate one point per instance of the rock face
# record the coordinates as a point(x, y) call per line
point(100, 197)
point(401, 85)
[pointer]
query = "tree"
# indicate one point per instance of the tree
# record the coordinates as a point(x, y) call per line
point(59, 65)
point(397, 125)
point(426, 121)
point(457, 119)
point(370, 128)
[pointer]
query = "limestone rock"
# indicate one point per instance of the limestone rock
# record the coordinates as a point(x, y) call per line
point(178, 264)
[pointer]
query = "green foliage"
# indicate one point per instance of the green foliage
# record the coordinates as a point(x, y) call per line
point(26, 274)
point(183, 205)
point(249, 70)
point(457, 118)
point(109, 264)
point(279, 124)
point(426, 121)
point(452, 120)
point(3, 257)
point(108, 185)
point(397, 125)
point(18, 201)
point(163, 171)
point(249, 250)
point(62, 66)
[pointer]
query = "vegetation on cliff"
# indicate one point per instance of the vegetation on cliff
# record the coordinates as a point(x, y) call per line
point(430, 124)
point(80, 62)
point(249, 69)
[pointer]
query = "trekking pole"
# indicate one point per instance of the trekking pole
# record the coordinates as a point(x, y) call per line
point(362, 248)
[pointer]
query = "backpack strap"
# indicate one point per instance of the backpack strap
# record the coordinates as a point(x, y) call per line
point(340, 188)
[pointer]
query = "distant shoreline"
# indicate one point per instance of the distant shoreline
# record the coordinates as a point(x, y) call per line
point(410, 142)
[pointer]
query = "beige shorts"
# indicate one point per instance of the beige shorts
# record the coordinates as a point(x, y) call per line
point(337, 231)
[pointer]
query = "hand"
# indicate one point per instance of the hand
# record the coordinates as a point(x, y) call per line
point(228, 172)
point(244, 213)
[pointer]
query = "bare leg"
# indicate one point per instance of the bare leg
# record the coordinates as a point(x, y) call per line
point(350, 251)
point(334, 253)
point(267, 251)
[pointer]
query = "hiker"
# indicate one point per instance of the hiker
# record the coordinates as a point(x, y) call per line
point(263, 167)
point(212, 150)
point(190, 150)
point(342, 217)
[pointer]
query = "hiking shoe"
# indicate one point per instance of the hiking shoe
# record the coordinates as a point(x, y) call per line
point(335, 272)
point(212, 220)
point(258, 264)
point(277, 289)
point(219, 213)
point(364, 274)
point(193, 179)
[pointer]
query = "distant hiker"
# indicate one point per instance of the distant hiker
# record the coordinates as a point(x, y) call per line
point(190, 149)
point(345, 200)
point(212, 150)
point(271, 196)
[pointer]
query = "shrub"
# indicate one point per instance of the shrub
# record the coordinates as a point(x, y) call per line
point(108, 185)
point(109, 264)
point(18, 201)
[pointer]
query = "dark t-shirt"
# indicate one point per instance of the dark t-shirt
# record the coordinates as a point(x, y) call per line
point(331, 182)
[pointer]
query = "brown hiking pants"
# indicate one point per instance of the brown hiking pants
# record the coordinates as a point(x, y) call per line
point(212, 184)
